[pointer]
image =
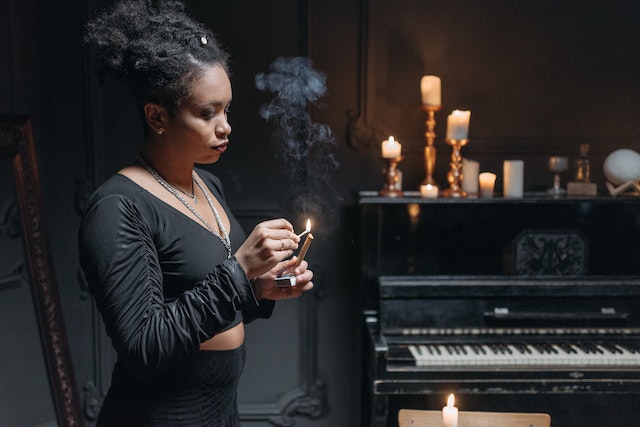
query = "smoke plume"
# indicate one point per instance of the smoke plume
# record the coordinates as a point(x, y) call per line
point(308, 149)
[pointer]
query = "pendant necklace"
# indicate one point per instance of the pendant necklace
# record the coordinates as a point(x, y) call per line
point(222, 235)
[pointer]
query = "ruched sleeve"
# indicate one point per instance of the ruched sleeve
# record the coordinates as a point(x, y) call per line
point(121, 265)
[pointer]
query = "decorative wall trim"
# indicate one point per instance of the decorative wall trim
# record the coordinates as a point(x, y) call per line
point(308, 399)
point(360, 133)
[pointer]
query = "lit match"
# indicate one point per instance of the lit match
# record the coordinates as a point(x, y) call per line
point(305, 248)
point(308, 229)
point(290, 279)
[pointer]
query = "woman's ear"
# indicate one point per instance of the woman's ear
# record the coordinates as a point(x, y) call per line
point(156, 117)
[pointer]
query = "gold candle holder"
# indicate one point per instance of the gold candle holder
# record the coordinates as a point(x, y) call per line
point(454, 175)
point(392, 178)
point(430, 149)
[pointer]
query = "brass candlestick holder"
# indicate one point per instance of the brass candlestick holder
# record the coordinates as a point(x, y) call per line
point(454, 175)
point(430, 149)
point(392, 178)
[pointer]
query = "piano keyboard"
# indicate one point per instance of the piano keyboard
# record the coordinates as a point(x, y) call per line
point(546, 354)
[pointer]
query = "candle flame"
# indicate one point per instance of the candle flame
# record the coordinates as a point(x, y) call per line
point(450, 400)
point(391, 140)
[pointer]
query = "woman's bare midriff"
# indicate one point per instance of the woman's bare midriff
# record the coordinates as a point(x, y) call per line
point(227, 340)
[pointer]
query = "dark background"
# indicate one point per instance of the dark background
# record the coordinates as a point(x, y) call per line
point(540, 77)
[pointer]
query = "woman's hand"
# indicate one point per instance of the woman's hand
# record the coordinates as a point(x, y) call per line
point(264, 286)
point(269, 243)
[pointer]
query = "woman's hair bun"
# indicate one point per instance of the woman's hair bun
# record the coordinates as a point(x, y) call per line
point(154, 45)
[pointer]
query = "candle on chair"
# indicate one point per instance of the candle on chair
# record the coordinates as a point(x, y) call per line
point(450, 413)
point(391, 149)
point(430, 88)
point(458, 124)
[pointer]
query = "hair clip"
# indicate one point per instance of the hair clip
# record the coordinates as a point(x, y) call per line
point(203, 40)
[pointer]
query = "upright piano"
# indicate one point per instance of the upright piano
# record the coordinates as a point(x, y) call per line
point(536, 297)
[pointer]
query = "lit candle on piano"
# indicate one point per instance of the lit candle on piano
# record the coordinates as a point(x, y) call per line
point(450, 413)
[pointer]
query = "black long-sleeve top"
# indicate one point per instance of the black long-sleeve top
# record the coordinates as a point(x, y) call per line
point(161, 281)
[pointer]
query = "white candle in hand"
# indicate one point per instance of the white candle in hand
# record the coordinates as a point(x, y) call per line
point(450, 413)
point(458, 124)
point(391, 149)
point(430, 88)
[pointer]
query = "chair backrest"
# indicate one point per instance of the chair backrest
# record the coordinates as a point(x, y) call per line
point(424, 418)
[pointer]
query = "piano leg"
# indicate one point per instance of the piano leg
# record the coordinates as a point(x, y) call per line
point(380, 410)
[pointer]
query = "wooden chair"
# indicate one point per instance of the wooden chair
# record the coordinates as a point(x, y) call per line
point(424, 418)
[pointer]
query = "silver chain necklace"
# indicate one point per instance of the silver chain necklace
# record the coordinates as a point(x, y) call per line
point(222, 235)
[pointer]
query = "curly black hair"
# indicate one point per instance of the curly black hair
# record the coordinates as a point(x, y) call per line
point(156, 47)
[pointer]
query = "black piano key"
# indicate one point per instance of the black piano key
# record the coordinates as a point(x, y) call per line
point(626, 347)
point(585, 347)
point(567, 348)
point(523, 349)
point(610, 347)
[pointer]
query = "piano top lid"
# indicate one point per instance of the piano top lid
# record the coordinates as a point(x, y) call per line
point(404, 286)
point(372, 197)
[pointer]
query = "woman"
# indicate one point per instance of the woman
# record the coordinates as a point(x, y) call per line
point(169, 267)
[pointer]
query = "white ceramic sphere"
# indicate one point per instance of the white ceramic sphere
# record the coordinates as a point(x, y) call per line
point(621, 166)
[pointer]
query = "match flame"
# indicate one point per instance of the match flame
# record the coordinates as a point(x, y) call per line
point(307, 230)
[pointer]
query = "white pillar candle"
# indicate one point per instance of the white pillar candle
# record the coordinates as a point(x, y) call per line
point(430, 87)
point(458, 124)
point(450, 413)
point(487, 183)
point(429, 191)
point(391, 149)
point(513, 175)
point(470, 170)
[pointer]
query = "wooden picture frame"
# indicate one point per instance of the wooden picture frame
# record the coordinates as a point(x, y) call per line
point(17, 147)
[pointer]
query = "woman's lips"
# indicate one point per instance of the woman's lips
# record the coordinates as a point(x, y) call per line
point(222, 147)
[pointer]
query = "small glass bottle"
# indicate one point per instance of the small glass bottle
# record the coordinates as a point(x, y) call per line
point(583, 171)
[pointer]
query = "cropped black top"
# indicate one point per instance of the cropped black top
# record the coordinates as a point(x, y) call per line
point(161, 281)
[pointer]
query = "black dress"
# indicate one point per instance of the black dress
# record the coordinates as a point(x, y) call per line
point(163, 284)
